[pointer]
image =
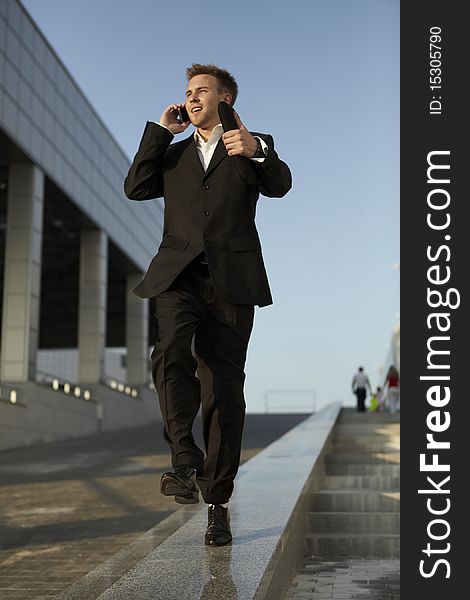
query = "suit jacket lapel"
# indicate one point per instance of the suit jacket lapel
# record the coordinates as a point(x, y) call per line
point(219, 153)
point(190, 157)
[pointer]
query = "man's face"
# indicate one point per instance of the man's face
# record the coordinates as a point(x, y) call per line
point(202, 99)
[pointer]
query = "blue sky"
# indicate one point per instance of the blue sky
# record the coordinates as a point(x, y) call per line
point(323, 78)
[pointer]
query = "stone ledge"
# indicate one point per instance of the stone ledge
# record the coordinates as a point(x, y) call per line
point(268, 519)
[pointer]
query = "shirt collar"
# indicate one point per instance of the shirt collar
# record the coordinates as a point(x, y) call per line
point(216, 132)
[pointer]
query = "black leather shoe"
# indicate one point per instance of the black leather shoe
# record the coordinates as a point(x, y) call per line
point(181, 484)
point(218, 528)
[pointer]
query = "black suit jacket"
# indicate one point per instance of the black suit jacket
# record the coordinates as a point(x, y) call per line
point(212, 211)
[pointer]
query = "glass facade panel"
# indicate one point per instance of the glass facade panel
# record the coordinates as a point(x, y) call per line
point(47, 116)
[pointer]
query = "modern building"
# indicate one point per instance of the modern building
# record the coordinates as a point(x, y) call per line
point(393, 353)
point(75, 340)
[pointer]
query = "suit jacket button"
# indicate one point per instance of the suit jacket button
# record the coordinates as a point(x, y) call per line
point(205, 187)
point(206, 212)
point(206, 241)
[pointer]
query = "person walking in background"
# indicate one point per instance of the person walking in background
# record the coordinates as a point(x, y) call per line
point(360, 384)
point(374, 400)
point(392, 381)
point(206, 277)
point(381, 398)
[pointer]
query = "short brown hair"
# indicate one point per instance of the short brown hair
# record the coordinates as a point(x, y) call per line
point(226, 80)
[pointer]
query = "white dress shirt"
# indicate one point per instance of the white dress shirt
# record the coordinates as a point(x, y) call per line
point(205, 149)
point(361, 380)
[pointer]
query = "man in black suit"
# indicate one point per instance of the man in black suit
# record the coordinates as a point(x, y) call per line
point(206, 277)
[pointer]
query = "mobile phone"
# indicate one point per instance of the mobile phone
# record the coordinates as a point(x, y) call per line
point(228, 121)
point(227, 117)
point(183, 114)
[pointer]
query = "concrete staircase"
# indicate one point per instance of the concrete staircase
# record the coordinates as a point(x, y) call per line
point(356, 512)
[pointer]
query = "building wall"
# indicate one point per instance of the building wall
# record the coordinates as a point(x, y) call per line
point(63, 363)
point(41, 415)
point(393, 352)
point(46, 119)
point(45, 113)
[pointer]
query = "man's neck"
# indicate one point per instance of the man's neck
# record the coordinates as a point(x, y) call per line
point(205, 132)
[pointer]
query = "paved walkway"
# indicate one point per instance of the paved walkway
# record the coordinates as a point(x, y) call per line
point(68, 506)
point(346, 579)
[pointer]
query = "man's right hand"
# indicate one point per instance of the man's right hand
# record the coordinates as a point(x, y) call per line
point(169, 119)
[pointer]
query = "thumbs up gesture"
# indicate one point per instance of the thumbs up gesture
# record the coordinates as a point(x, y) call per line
point(239, 141)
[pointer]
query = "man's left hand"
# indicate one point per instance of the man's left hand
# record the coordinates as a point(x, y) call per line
point(239, 141)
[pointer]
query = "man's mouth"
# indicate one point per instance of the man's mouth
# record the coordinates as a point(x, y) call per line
point(196, 109)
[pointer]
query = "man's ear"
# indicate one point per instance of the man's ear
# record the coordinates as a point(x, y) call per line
point(228, 98)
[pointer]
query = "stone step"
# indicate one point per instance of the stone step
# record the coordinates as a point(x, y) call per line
point(357, 513)
point(352, 414)
point(354, 522)
point(352, 545)
point(382, 469)
point(358, 446)
point(354, 501)
point(345, 438)
point(374, 482)
point(363, 458)
point(368, 418)
point(364, 437)
point(368, 428)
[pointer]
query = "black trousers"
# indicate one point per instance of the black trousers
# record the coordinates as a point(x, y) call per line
point(190, 309)
point(361, 394)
